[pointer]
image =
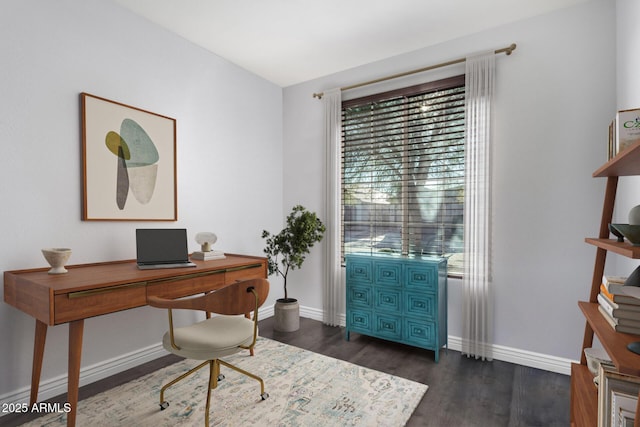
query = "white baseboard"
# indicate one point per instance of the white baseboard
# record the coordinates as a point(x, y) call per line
point(58, 385)
point(530, 359)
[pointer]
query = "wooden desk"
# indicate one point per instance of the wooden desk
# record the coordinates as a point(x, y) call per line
point(89, 290)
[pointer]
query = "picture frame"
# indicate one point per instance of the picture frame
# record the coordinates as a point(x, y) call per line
point(128, 162)
point(617, 397)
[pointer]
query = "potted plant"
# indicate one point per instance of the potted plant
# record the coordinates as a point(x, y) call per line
point(287, 251)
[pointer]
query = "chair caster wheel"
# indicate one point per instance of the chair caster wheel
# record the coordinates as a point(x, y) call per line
point(164, 405)
point(221, 377)
point(264, 395)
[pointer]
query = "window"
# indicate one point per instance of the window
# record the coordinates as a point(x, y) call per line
point(403, 172)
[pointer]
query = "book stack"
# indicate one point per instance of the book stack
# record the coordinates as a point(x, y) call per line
point(620, 310)
point(209, 255)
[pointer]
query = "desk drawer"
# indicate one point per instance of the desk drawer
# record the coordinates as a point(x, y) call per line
point(256, 271)
point(84, 304)
point(185, 286)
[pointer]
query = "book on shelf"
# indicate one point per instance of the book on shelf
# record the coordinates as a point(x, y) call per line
point(627, 131)
point(621, 316)
point(613, 284)
point(615, 325)
point(206, 256)
point(619, 297)
point(620, 307)
point(611, 152)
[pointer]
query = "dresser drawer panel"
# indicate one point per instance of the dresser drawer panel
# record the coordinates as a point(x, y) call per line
point(421, 277)
point(388, 300)
point(420, 305)
point(419, 333)
point(359, 321)
point(360, 271)
point(359, 296)
point(388, 273)
point(388, 327)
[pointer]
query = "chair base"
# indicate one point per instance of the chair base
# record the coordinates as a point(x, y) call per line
point(214, 377)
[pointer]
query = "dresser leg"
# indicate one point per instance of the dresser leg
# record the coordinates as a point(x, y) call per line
point(75, 352)
point(38, 354)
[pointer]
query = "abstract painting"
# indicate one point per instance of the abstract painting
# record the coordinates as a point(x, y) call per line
point(129, 162)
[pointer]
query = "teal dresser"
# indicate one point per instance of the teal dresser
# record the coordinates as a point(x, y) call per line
point(402, 299)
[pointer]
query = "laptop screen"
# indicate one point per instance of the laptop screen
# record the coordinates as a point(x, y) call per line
point(161, 245)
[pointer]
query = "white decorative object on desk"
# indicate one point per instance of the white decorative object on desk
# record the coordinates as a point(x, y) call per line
point(205, 239)
point(57, 258)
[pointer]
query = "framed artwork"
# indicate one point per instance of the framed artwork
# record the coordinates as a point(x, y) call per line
point(128, 164)
point(617, 397)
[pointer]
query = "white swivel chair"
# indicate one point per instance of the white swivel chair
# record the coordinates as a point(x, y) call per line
point(223, 334)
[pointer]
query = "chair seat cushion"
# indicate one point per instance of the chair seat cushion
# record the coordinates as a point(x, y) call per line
point(212, 338)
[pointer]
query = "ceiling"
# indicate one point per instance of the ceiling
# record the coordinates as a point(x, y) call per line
point(292, 41)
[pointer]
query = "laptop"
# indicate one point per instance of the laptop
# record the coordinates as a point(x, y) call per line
point(162, 248)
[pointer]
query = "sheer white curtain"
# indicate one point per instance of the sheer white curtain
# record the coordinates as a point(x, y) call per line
point(333, 294)
point(478, 319)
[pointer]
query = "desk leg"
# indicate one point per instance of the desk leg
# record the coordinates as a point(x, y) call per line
point(75, 352)
point(38, 354)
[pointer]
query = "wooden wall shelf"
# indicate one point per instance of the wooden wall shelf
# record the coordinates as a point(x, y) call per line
point(612, 245)
point(615, 343)
point(624, 164)
point(584, 396)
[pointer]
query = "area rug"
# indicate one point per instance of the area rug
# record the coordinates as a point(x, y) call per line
point(305, 389)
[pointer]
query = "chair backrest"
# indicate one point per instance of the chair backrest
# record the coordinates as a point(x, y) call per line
point(236, 298)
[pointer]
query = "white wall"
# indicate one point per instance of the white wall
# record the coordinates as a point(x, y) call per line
point(229, 150)
point(555, 98)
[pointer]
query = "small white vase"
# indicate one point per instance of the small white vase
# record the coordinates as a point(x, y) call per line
point(57, 258)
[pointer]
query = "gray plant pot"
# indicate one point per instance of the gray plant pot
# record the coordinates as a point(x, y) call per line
point(287, 315)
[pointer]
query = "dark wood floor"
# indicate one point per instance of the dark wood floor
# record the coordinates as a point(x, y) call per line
point(462, 391)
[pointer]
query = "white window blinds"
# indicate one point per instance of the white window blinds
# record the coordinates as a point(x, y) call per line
point(403, 171)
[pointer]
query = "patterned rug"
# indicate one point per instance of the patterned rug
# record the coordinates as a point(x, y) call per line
point(305, 389)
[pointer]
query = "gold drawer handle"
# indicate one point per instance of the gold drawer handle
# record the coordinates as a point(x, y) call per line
point(185, 277)
point(99, 291)
point(243, 267)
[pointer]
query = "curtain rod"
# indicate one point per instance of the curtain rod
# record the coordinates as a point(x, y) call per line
point(506, 50)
